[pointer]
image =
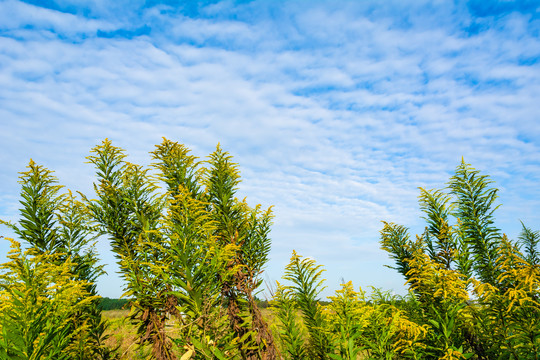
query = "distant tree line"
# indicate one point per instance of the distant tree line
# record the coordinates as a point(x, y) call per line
point(112, 304)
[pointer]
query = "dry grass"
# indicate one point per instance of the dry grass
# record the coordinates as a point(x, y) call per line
point(115, 314)
point(123, 334)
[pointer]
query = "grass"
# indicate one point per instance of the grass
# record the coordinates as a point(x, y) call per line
point(115, 314)
point(123, 335)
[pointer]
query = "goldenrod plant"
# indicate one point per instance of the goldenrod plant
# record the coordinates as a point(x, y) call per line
point(128, 209)
point(248, 229)
point(307, 283)
point(191, 255)
point(347, 317)
point(192, 252)
point(55, 226)
point(477, 290)
point(289, 327)
point(350, 327)
point(474, 206)
point(39, 303)
point(511, 309)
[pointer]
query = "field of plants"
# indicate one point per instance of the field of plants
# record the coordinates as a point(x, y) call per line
point(192, 257)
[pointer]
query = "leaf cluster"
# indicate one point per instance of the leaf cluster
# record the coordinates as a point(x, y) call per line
point(193, 251)
point(478, 292)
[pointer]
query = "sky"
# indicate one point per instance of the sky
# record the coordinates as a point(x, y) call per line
point(336, 111)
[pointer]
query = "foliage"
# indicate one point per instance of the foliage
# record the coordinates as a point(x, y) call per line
point(474, 208)
point(478, 292)
point(39, 302)
point(106, 303)
point(305, 276)
point(289, 327)
point(193, 253)
point(55, 226)
point(350, 326)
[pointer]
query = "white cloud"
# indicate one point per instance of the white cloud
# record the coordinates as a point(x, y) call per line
point(336, 115)
point(15, 15)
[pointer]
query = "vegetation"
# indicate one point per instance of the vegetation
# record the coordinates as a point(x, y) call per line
point(48, 300)
point(477, 291)
point(192, 254)
point(106, 303)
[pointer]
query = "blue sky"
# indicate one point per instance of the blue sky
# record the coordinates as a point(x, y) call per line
point(336, 111)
